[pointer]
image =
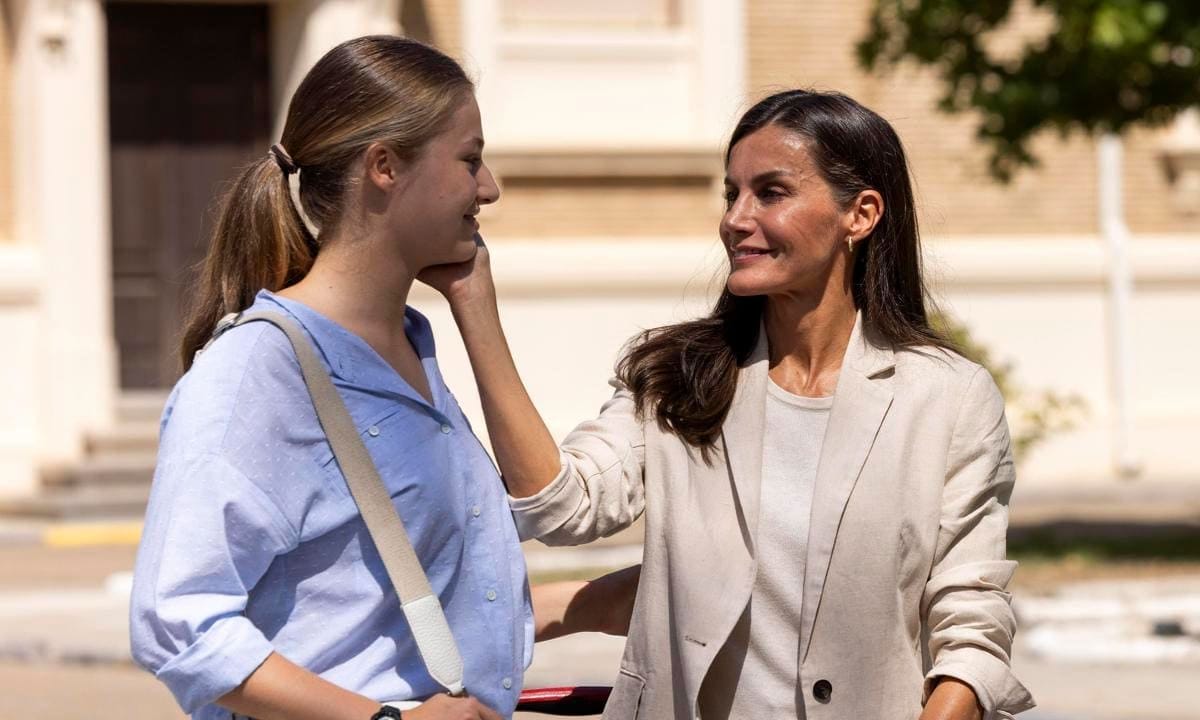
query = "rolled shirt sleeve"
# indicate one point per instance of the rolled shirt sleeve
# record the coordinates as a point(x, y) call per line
point(210, 535)
point(965, 605)
point(599, 489)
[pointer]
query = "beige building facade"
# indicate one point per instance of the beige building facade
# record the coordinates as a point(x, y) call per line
point(605, 123)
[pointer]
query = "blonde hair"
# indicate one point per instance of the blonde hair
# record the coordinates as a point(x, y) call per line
point(371, 89)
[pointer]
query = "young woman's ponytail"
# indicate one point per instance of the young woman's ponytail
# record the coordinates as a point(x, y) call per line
point(371, 89)
point(259, 241)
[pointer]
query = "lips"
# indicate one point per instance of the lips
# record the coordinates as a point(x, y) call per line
point(749, 254)
point(471, 216)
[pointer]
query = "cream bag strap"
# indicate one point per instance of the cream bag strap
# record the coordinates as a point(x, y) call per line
point(420, 605)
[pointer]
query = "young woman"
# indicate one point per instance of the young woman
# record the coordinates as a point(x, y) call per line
point(258, 590)
point(825, 481)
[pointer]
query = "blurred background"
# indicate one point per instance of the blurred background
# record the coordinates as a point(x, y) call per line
point(1055, 148)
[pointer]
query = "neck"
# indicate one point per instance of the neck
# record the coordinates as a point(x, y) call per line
point(808, 338)
point(351, 284)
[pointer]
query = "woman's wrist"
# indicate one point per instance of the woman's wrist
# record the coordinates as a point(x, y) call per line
point(472, 300)
point(952, 699)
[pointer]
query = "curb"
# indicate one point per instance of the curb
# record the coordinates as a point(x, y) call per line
point(98, 533)
point(73, 534)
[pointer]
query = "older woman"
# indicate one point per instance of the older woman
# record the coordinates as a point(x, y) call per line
point(825, 481)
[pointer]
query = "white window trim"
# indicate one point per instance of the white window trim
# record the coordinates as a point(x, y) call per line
point(714, 34)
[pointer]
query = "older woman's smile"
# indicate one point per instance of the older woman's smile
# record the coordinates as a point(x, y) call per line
point(746, 255)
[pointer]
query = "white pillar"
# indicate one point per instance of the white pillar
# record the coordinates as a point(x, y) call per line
point(19, 286)
point(62, 209)
point(1120, 291)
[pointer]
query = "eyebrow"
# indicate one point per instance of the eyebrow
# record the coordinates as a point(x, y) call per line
point(763, 177)
point(476, 141)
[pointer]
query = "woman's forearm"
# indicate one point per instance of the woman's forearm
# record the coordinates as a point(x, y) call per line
point(525, 451)
point(952, 700)
point(282, 690)
point(601, 605)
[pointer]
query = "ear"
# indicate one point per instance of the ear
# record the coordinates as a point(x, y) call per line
point(382, 166)
point(864, 214)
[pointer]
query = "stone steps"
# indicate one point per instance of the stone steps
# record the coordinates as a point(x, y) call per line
point(113, 478)
point(127, 467)
point(125, 438)
point(81, 503)
point(135, 406)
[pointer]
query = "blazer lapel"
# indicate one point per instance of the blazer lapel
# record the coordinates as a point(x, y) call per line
point(742, 436)
point(716, 561)
point(861, 401)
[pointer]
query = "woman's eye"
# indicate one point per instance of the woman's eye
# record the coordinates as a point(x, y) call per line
point(730, 197)
point(475, 162)
point(770, 193)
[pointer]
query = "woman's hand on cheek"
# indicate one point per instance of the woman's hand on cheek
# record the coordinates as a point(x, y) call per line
point(464, 282)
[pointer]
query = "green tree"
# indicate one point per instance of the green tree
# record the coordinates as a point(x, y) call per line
point(1101, 66)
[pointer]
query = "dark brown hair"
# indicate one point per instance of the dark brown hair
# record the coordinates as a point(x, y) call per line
point(371, 89)
point(686, 374)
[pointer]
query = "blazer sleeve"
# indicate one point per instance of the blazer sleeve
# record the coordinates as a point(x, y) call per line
point(599, 488)
point(965, 606)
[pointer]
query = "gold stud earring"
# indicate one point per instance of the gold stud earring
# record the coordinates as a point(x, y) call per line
point(850, 242)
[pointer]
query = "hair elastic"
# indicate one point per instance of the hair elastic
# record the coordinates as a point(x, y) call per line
point(283, 160)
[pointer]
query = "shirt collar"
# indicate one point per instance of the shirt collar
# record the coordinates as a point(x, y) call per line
point(349, 358)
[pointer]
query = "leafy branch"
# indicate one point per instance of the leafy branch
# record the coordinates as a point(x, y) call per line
point(1099, 66)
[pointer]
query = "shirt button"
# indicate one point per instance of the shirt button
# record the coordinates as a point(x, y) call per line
point(446, 429)
point(373, 431)
point(475, 511)
point(491, 595)
point(507, 683)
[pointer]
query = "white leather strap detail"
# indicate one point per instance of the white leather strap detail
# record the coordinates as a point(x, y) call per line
point(436, 642)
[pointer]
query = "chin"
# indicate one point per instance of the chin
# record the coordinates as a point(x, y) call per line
point(740, 290)
point(744, 284)
point(465, 251)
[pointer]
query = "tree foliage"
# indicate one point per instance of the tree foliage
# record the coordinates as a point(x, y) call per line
point(1101, 65)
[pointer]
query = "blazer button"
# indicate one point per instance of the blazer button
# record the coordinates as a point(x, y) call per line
point(823, 690)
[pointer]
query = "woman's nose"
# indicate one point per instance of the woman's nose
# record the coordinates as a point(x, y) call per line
point(489, 190)
point(737, 220)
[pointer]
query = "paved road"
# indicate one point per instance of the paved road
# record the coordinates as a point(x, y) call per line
point(121, 692)
point(62, 639)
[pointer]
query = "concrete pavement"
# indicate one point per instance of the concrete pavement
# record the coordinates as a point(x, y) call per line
point(1085, 650)
point(69, 625)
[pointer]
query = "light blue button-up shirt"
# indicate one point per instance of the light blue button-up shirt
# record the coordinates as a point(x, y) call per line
point(253, 544)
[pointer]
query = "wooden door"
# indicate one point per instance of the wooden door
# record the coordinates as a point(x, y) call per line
point(189, 103)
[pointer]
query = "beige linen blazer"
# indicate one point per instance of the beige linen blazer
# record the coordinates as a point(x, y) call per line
point(906, 568)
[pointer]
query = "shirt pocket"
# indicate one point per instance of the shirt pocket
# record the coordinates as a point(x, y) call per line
point(411, 453)
point(406, 447)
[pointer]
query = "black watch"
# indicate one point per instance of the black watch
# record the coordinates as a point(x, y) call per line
point(387, 711)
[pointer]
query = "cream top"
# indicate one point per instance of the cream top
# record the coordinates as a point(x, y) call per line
point(756, 674)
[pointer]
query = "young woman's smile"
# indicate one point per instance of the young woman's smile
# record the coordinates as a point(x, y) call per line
point(449, 184)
